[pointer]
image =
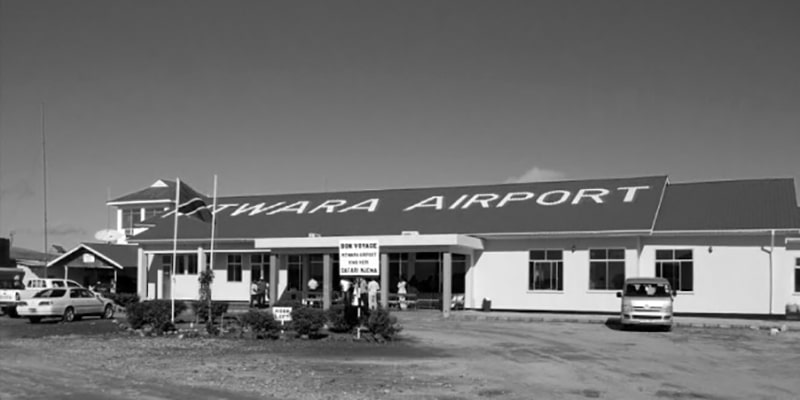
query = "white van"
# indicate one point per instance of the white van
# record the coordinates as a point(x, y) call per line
point(647, 302)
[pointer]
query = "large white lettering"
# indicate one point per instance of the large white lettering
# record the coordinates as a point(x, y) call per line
point(481, 198)
point(329, 206)
point(630, 192)
point(514, 196)
point(458, 201)
point(594, 194)
point(297, 207)
point(543, 199)
point(437, 202)
point(366, 205)
point(255, 209)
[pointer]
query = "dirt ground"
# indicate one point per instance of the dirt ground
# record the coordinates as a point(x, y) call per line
point(433, 359)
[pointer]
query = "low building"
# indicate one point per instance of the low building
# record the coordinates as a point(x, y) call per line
point(728, 247)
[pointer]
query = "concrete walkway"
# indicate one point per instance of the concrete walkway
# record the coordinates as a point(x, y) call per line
point(680, 321)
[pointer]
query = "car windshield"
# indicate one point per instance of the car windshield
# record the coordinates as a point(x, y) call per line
point(49, 293)
point(647, 290)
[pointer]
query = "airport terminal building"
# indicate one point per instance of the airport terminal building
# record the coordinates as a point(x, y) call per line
point(728, 247)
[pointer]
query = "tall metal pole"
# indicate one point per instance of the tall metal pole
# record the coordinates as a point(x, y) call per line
point(44, 178)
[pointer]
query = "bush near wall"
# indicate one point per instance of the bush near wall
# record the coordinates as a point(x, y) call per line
point(260, 324)
point(154, 313)
point(382, 323)
point(337, 321)
point(200, 309)
point(307, 321)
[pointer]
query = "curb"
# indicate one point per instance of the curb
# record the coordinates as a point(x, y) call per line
point(702, 325)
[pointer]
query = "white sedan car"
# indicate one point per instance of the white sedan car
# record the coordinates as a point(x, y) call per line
point(68, 303)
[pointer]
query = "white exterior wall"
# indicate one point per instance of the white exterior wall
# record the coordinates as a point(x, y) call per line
point(734, 278)
point(500, 273)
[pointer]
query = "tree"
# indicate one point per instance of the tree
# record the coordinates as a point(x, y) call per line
point(206, 278)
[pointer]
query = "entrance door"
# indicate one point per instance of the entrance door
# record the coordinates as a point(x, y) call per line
point(166, 282)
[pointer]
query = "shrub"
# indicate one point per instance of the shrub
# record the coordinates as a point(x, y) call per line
point(260, 324)
point(307, 321)
point(155, 313)
point(382, 323)
point(289, 303)
point(123, 299)
point(201, 310)
point(337, 322)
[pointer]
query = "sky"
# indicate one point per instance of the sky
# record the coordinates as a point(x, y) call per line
point(312, 96)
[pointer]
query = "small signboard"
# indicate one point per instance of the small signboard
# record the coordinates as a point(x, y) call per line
point(359, 258)
point(88, 258)
point(282, 314)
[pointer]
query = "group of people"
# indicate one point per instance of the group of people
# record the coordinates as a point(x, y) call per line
point(258, 293)
point(359, 297)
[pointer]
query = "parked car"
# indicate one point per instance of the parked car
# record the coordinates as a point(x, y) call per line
point(10, 298)
point(68, 303)
point(647, 302)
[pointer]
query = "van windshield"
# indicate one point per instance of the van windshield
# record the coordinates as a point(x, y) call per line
point(647, 290)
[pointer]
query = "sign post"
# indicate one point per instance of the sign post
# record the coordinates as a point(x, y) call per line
point(359, 258)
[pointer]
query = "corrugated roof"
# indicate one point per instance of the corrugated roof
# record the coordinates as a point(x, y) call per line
point(394, 211)
point(729, 205)
point(119, 255)
point(164, 192)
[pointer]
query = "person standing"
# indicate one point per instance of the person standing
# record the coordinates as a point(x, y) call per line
point(372, 288)
point(401, 293)
point(253, 293)
point(363, 295)
point(262, 289)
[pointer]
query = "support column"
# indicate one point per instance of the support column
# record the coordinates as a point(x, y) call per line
point(274, 265)
point(384, 280)
point(327, 281)
point(447, 282)
point(305, 274)
point(141, 274)
point(201, 260)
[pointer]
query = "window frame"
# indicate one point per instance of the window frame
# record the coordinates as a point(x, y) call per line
point(234, 268)
point(797, 275)
point(607, 260)
point(676, 283)
point(556, 264)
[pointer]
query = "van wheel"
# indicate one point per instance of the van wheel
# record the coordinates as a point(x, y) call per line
point(69, 315)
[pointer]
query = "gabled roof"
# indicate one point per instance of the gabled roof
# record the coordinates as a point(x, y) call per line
point(116, 255)
point(753, 204)
point(161, 191)
point(626, 205)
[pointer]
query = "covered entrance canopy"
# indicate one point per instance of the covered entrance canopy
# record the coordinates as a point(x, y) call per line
point(446, 244)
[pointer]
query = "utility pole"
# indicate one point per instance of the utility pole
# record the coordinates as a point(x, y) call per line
point(44, 179)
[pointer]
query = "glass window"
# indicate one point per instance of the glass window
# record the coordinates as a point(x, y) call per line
point(606, 269)
point(677, 267)
point(151, 212)
point(259, 264)
point(546, 270)
point(797, 275)
point(234, 267)
point(186, 264)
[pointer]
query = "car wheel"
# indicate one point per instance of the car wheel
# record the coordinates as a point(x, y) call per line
point(12, 312)
point(69, 315)
point(108, 312)
point(35, 320)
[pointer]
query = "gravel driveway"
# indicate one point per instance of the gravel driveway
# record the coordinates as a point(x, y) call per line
point(433, 359)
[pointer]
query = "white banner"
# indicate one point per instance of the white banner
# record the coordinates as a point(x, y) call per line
point(359, 258)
